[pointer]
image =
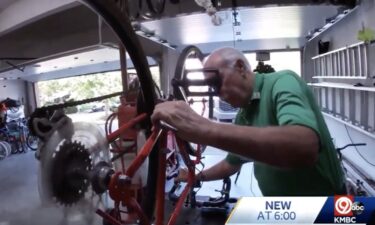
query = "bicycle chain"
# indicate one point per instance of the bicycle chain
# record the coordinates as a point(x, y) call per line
point(47, 111)
point(81, 102)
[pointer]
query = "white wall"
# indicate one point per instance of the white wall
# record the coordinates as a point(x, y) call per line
point(362, 157)
point(167, 68)
point(341, 34)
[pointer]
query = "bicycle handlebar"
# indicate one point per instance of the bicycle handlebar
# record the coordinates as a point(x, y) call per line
point(349, 145)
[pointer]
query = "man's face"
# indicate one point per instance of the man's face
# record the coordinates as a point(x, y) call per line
point(231, 82)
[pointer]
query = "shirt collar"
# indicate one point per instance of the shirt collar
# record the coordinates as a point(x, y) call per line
point(257, 87)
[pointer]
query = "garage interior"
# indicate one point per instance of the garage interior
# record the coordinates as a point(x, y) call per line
point(50, 40)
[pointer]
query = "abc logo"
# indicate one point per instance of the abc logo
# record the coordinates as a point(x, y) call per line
point(358, 208)
point(344, 206)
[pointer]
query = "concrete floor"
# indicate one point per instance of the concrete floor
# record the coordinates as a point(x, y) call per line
point(20, 203)
point(18, 176)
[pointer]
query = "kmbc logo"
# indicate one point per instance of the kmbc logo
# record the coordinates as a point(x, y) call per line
point(345, 206)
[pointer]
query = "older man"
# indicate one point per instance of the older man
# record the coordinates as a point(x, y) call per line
point(279, 126)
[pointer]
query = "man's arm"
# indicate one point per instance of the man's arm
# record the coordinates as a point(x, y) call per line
point(219, 171)
point(288, 146)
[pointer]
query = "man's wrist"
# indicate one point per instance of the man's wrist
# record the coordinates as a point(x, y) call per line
point(201, 176)
point(211, 134)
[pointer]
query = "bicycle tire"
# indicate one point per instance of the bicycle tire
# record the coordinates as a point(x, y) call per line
point(31, 140)
point(190, 50)
point(8, 147)
point(119, 21)
point(3, 150)
point(178, 92)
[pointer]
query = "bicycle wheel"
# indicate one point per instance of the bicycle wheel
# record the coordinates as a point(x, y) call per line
point(32, 142)
point(119, 21)
point(63, 154)
point(8, 147)
point(3, 150)
point(190, 52)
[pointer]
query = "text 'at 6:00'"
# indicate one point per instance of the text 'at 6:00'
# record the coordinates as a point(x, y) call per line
point(277, 210)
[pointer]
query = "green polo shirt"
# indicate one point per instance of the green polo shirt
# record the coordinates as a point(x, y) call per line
point(281, 99)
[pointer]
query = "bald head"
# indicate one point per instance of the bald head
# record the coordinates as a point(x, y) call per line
point(235, 73)
point(226, 57)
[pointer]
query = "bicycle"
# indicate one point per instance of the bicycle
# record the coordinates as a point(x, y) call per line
point(11, 136)
point(29, 139)
point(119, 184)
point(5, 150)
point(353, 188)
point(17, 135)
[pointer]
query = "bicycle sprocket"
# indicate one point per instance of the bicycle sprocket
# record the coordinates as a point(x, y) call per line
point(71, 165)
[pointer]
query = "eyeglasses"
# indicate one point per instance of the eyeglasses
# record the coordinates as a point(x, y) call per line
point(212, 80)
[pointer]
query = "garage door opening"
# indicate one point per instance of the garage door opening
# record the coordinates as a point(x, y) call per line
point(83, 87)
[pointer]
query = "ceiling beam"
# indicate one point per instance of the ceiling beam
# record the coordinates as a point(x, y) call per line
point(24, 12)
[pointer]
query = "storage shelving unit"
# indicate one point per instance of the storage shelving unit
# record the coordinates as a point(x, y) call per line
point(351, 62)
point(339, 76)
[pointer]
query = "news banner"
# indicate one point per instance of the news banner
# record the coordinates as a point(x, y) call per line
point(344, 209)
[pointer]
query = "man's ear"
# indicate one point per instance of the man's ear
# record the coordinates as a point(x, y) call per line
point(240, 65)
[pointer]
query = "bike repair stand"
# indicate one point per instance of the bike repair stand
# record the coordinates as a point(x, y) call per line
point(205, 210)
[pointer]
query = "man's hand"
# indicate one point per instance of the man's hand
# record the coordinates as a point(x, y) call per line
point(182, 175)
point(190, 126)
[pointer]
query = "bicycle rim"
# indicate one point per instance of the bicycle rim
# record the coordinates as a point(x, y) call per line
point(189, 52)
point(179, 93)
point(32, 142)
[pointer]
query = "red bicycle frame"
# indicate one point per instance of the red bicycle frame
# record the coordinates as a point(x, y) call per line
point(120, 183)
